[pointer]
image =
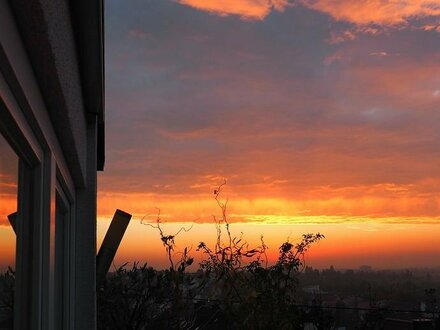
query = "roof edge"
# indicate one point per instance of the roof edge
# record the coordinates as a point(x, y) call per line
point(88, 26)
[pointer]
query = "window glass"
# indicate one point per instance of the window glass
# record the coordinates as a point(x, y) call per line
point(8, 207)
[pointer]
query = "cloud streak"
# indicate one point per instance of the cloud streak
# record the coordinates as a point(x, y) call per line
point(383, 13)
point(393, 13)
point(246, 9)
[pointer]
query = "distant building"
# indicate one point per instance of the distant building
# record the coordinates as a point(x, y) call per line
point(52, 116)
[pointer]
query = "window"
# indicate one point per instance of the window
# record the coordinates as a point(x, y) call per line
point(8, 208)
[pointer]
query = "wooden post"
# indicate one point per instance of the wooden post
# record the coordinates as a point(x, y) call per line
point(110, 244)
point(13, 221)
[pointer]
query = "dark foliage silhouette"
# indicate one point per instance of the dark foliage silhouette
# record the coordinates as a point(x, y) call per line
point(7, 285)
point(234, 286)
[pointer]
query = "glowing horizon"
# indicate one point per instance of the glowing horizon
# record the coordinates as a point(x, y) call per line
point(381, 246)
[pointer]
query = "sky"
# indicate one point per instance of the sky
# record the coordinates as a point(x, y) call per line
point(8, 203)
point(318, 107)
point(321, 115)
point(315, 112)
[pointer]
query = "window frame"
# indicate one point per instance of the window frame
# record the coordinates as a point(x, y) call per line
point(42, 174)
point(66, 256)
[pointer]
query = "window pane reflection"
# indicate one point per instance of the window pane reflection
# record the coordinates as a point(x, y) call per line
point(8, 207)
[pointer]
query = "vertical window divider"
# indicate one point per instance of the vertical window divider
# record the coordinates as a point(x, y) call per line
point(48, 241)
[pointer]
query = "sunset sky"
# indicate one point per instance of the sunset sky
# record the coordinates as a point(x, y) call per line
point(321, 115)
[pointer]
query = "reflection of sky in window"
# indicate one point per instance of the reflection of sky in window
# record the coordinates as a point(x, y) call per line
point(8, 203)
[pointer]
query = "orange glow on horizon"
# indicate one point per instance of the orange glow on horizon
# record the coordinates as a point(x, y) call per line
point(377, 201)
point(8, 205)
point(7, 248)
point(387, 226)
point(345, 245)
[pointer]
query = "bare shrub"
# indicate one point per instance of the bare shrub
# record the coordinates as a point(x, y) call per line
point(233, 287)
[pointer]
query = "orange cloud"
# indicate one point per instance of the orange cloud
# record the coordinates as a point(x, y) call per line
point(247, 9)
point(361, 12)
point(381, 12)
point(385, 203)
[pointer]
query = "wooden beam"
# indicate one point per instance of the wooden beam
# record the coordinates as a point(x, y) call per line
point(13, 221)
point(110, 245)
